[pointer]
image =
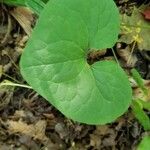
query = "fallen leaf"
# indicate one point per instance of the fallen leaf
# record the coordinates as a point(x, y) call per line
point(146, 13)
point(24, 16)
point(127, 57)
point(137, 92)
point(37, 130)
point(6, 94)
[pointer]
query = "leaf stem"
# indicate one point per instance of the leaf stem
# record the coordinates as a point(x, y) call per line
point(115, 56)
point(133, 47)
point(15, 84)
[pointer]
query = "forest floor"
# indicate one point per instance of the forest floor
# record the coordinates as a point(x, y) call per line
point(29, 122)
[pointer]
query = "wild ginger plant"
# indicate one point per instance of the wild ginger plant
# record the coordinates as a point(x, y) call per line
point(55, 64)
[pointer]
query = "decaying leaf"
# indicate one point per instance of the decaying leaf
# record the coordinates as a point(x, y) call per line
point(126, 55)
point(6, 94)
point(24, 16)
point(37, 130)
point(146, 13)
point(136, 29)
point(138, 93)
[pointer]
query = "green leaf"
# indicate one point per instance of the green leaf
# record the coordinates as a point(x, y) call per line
point(14, 2)
point(145, 143)
point(137, 77)
point(36, 5)
point(45, 1)
point(136, 28)
point(139, 113)
point(54, 62)
point(146, 105)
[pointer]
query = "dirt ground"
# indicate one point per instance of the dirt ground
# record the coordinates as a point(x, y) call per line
point(29, 122)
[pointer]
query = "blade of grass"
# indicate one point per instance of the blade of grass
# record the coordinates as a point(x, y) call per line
point(136, 76)
point(146, 105)
point(36, 5)
point(14, 2)
point(139, 113)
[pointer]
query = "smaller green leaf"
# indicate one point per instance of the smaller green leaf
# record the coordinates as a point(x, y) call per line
point(140, 115)
point(144, 144)
point(146, 105)
point(136, 76)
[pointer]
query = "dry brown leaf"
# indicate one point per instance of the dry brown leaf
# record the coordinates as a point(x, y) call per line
point(103, 132)
point(95, 54)
point(137, 92)
point(6, 37)
point(19, 114)
point(6, 94)
point(24, 16)
point(125, 54)
point(37, 130)
point(146, 13)
point(95, 141)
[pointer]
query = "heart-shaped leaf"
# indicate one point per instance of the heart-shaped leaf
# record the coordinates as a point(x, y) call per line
point(144, 144)
point(54, 62)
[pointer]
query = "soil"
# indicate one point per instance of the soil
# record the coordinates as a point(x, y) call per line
point(29, 122)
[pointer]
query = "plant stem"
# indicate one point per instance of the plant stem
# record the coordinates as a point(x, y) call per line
point(115, 56)
point(133, 47)
point(15, 84)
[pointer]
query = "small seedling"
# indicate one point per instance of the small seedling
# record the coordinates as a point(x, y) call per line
point(54, 61)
